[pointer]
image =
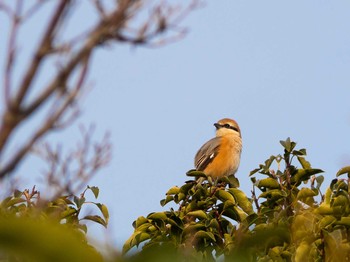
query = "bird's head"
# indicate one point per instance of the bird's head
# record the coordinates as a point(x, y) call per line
point(227, 126)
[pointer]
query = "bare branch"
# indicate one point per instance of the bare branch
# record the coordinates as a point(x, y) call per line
point(48, 125)
point(60, 94)
point(43, 49)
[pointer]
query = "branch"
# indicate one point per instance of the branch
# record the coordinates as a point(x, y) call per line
point(48, 125)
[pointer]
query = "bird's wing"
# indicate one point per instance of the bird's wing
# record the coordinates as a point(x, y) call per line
point(207, 153)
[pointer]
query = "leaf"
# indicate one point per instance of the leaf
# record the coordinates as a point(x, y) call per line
point(157, 216)
point(304, 163)
point(269, 162)
point(344, 170)
point(273, 194)
point(242, 200)
point(224, 196)
point(204, 234)
point(13, 201)
point(79, 201)
point(198, 214)
point(95, 190)
point(324, 209)
point(319, 181)
point(304, 174)
point(269, 183)
point(167, 199)
point(254, 171)
point(70, 211)
point(288, 145)
point(305, 193)
point(174, 190)
point(17, 193)
point(40, 240)
point(139, 221)
point(344, 221)
point(302, 252)
point(195, 173)
point(327, 221)
point(104, 210)
point(96, 219)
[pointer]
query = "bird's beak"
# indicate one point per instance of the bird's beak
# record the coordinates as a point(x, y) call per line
point(217, 125)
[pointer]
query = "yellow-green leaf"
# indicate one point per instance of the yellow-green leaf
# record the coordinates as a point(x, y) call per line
point(344, 170)
point(268, 183)
point(242, 200)
point(224, 196)
point(198, 214)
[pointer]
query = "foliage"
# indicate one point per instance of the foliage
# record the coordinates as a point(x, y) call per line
point(288, 220)
point(29, 224)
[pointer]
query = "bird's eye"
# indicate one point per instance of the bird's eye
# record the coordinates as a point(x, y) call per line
point(227, 126)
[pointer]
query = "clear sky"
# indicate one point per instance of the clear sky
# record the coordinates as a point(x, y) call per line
point(280, 68)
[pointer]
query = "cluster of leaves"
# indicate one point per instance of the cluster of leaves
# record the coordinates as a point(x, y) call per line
point(288, 220)
point(28, 220)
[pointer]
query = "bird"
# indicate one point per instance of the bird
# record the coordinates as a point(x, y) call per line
point(220, 156)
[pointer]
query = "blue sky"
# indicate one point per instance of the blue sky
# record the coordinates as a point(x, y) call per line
point(281, 69)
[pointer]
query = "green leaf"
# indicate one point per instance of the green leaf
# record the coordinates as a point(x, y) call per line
point(304, 174)
point(304, 163)
point(224, 196)
point(269, 183)
point(327, 221)
point(174, 190)
point(204, 234)
point(167, 199)
point(273, 194)
point(70, 211)
point(324, 209)
point(344, 221)
point(242, 200)
point(157, 216)
point(139, 221)
point(39, 240)
point(306, 193)
point(288, 145)
point(198, 214)
point(95, 190)
point(13, 201)
point(344, 170)
point(96, 219)
point(269, 162)
point(319, 181)
point(17, 193)
point(195, 173)
point(254, 171)
point(104, 210)
point(79, 201)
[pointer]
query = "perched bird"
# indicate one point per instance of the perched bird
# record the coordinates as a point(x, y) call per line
point(220, 156)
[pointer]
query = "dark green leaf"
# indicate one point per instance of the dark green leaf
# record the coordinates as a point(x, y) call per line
point(95, 190)
point(204, 234)
point(79, 201)
point(195, 173)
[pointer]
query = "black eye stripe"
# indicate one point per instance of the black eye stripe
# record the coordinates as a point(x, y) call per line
point(229, 126)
